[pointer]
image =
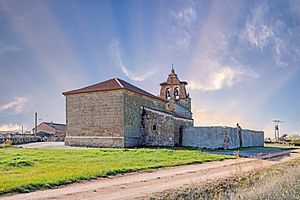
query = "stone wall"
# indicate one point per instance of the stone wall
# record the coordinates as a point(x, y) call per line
point(132, 115)
point(180, 125)
point(182, 110)
point(95, 119)
point(221, 137)
point(252, 138)
point(162, 128)
point(94, 141)
point(18, 138)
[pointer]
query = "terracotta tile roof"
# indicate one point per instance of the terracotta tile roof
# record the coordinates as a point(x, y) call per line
point(112, 84)
point(56, 126)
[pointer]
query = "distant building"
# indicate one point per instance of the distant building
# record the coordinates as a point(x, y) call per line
point(8, 132)
point(52, 131)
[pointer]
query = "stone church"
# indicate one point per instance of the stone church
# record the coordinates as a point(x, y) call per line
point(115, 113)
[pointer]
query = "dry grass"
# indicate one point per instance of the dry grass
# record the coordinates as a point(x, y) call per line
point(283, 184)
point(281, 181)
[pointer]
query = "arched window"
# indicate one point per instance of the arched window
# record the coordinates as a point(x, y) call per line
point(168, 93)
point(176, 93)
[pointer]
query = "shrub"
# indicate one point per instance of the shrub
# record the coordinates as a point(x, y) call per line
point(20, 163)
point(296, 142)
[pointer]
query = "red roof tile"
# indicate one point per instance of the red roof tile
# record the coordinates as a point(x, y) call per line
point(56, 126)
point(112, 84)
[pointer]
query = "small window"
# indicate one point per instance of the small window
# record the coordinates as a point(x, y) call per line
point(168, 93)
point(143, 121)
point(176, 93)
point(154, 127)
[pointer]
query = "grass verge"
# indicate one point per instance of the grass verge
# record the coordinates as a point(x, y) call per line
point(280, 181)
point(26, 170)
point(284, 146)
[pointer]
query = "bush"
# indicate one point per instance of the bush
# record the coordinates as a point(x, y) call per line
point(296, 142)
point(5, 146)
point(20, 163)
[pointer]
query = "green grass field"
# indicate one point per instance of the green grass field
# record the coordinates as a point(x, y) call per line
point(282, 146)
point(25, 170)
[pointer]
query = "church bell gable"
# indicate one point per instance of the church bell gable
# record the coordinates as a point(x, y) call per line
point(175, 92)
point(173, 88)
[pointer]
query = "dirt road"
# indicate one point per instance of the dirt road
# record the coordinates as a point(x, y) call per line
point(135, 185)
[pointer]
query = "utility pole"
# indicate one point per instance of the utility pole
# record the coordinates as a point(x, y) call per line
point(35, 123)
point(22, 130)
point(276, 125)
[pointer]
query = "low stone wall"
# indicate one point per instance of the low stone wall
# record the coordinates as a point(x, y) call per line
point(91, 141)
point(52, 139)
point(18, 138)
point(215, 137)
point(252, 138)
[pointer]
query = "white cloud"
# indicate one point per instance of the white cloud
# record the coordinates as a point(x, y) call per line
point(137, 77)
point(182, 21)
point(216, 64)
point(221, 77)
point(181, 41)
point(280, 48)
point(257, 31)
point(10, 127)
point(263, 32)
point(8, 48)
point(17, 104)
point(114, 50)
point(258, 35)
point(185, 16)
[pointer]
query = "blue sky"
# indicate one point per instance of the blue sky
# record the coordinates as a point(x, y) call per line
point(240, 58)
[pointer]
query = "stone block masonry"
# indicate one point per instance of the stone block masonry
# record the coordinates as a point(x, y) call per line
point(106, 118)
point(133, 116)
point(95, 119)
point(215, 137)
point(115, 113)
point(16, 138)
point(252, 138)
point(162, 128)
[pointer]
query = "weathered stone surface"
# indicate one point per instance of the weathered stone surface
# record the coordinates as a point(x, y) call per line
point(167, 128)
point(132, 116)
point(18, 138)
point(181, 109)
point(252, 138)
point(96, 114)
point(221, 137)
point(175, 92)
point(106, 114)
point(122, 115)
point(113, 142)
